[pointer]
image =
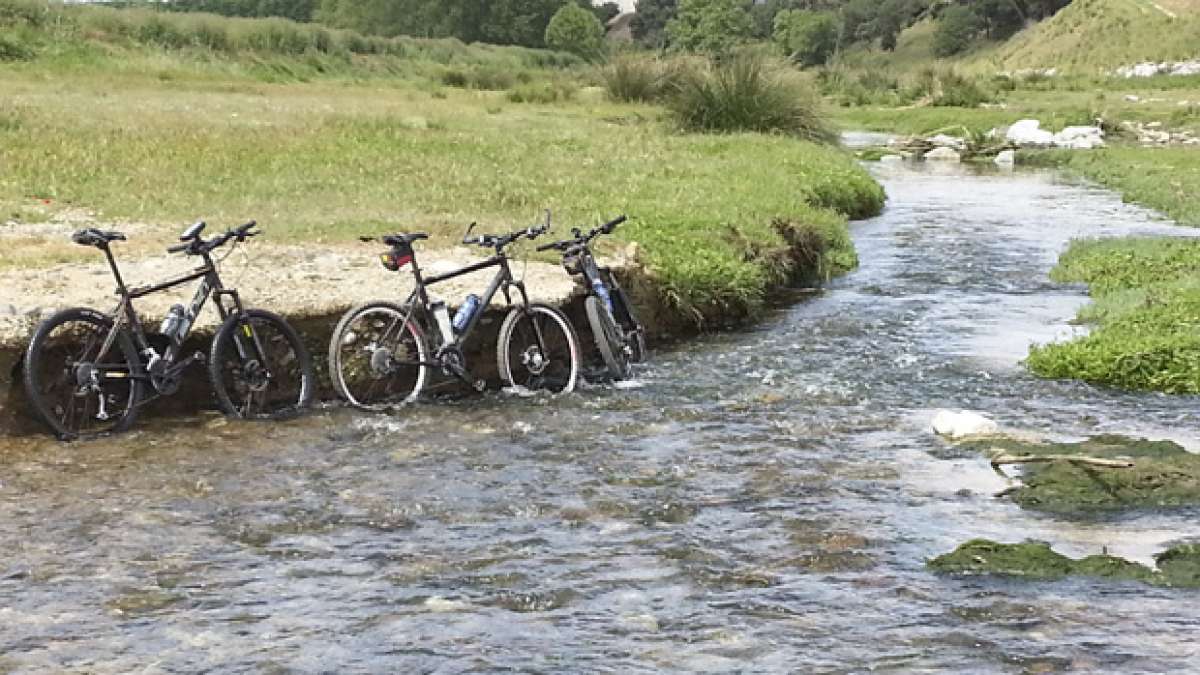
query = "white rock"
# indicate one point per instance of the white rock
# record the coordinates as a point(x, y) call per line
point(962, 424)
point(1029, 132)
point(891, 159)
point(1006, 158)
point(1079, 138)
point(942, 155)
point(1131, 98)
point(945, 141)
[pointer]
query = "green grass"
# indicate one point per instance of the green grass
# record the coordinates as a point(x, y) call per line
point(1146, 314)
point(716, 217)
point(1165, 179)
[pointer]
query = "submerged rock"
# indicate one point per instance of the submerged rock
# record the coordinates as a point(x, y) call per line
point(963, 424)
point(1178, 567)
point(943, 155)
point(1163, 475)
point(1006, 158)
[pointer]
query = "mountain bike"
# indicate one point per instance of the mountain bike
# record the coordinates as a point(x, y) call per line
point(620, 338)
point(85, 371)
point(381, 352)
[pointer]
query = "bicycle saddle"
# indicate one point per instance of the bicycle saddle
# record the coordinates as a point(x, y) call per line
point(93, 237)
point(403, 239)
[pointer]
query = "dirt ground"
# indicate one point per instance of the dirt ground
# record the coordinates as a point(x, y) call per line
point(291, 280)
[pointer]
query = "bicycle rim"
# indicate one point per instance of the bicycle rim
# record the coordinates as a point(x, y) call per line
point(377, 358)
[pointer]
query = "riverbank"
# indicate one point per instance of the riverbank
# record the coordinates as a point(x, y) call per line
point(145, 139)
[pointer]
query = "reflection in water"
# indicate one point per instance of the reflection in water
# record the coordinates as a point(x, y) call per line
point(761, 501)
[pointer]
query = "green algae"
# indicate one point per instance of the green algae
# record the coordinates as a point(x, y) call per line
point(1164, 474)
point(1178, 567)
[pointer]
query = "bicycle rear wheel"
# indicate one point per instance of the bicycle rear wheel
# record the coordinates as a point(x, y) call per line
point(538, 349)
point(259, 368)
point(73, 383)
point(376, 359)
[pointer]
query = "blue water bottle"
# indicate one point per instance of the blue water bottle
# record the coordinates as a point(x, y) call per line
point(601, 292)
point(463, 316)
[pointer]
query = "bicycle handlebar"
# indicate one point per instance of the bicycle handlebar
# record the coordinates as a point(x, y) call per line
point(198, 246)
point(581, 238)
point(499, 241)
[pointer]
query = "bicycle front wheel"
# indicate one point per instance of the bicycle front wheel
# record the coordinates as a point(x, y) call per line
point(538, 350)
point(259, 368)
point(609, 340)
point(376, 358)
point(75, 383)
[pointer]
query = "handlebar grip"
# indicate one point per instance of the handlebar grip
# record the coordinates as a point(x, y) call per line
point(608, 227)
point(547, 247)
point(180, 248)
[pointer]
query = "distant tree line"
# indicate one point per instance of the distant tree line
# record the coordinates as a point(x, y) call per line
point(506, 22)
point(811, 31)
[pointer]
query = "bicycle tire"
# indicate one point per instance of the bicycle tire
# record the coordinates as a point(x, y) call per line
point(39, 364)
point(343, 373)
point(245, 377)
point(608, 339)
point(518, 367)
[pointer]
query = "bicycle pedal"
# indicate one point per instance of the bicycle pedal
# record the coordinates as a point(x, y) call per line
point(479, 385)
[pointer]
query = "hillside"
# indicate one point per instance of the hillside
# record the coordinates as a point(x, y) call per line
point(1087, 37)
point(1099, 35)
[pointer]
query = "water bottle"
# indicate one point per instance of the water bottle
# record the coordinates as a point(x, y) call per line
point(601, 292)
point(173, 322)
point(442, 315)
point(469, 306)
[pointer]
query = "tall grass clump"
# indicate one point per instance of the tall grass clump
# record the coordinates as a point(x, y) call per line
point(645, 79)
point(949, 89)
point(749, 93)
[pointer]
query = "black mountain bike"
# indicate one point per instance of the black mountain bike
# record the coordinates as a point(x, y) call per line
point(380, 353)
point(620, 339)
point(85, 371)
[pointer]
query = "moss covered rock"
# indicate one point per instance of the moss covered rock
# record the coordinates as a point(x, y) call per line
point(1163, 475)
point(1178, 567)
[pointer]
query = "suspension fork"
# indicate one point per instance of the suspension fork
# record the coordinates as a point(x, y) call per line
point(243, 331)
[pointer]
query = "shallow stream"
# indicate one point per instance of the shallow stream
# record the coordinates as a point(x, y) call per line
point(759, 501)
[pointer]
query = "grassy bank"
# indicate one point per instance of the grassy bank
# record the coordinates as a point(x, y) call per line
point(164, 135)
point(1164, 179)
point(1146, 314)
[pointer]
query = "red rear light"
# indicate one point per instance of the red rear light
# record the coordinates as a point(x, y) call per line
point(395, 261)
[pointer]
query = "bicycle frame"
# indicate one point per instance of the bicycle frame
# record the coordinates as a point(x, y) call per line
point(125, 318)
point(503, 280)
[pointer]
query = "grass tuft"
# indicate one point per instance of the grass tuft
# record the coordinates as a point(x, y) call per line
point(749, 93)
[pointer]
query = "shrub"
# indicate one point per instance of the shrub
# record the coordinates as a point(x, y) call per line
point(486, 78)
point(748, 93)
point(807, 38)
point(30, 12)
point(576, 30)
point(542, 92)
point(955, 29)
point(12, 49)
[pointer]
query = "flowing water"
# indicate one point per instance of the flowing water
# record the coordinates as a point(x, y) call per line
point(760, 501)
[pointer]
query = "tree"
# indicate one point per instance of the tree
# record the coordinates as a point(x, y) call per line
point(650, 23)
point(576, 30)
point(809, 38)
point(712, 26)
point(957, 26)
point(518, 22)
